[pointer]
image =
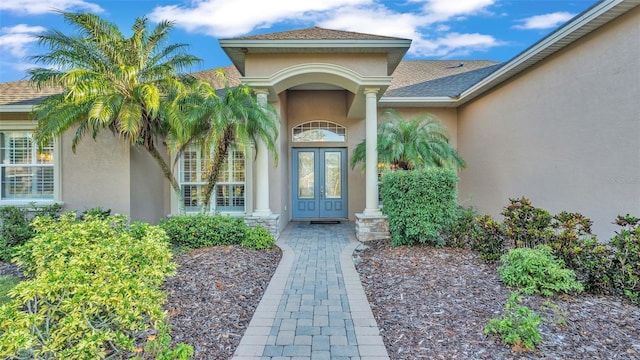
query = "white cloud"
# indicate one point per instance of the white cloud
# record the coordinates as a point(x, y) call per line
point(454, 44)
point(16, 39)
point(546, 21)
point(442, 10)
point(36, 7)
point(228, 18)
point(426, 27)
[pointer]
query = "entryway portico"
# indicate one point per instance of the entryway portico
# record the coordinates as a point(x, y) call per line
point(317, 75)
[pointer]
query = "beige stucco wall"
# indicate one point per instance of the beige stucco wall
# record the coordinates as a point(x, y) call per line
point(447, 116)
point(97, 174)
point(148, 185)
point(268, 64)
point(565, 134)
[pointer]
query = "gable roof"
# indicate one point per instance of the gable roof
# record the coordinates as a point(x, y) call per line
point(315, 40)
point(316, 33)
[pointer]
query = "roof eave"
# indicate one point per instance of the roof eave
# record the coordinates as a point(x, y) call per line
point(428, 101)
point(580, 26)
point(16, 108)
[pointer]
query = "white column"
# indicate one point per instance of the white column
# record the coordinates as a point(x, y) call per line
point(371, 164)
point(261, 190)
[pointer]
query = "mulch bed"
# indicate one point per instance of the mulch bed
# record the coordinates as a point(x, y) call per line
point(213, 296)
point(434, 304)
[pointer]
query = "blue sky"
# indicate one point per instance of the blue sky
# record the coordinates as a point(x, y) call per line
point(440, 29)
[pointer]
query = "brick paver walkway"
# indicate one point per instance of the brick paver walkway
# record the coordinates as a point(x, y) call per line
point(314, 306)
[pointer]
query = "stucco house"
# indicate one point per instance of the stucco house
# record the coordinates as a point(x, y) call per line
point(559, 123)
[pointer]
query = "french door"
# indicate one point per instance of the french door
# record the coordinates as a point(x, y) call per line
point(319, 188)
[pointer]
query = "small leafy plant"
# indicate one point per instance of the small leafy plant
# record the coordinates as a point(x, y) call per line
point(626, 257)
point(537, 271)
point(519, 325)
point(15, 228)
point(258, 238)
point(461, 231)
point(488, 239)
point(526, 225)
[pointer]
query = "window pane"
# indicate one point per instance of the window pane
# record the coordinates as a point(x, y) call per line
point(306, 175)
point(318, 131)
point(26, 173)
point(332, 175)
point(191, 195)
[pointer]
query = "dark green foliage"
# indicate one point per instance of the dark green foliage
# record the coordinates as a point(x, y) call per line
point(537, 271)
point(15, 229)
point(419, 204)
point(461, 231)
point(581, 252)
point(519, 325)
point(526, 225)
point(258, 238)
point(98, 212)
point(626, 257)
point(487, 238)
point(196, 231)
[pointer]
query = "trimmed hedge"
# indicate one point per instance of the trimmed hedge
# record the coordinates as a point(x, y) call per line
point(419, 204)
point(196, 231)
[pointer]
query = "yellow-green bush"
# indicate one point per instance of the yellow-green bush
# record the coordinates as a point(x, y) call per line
point(93, 289)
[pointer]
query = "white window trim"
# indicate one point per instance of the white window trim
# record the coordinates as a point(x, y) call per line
point(248, 194)
point(293, 129)
point(29, 126)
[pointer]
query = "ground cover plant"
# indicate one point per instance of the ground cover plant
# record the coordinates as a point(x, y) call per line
point(92, 290)
point(200, 230)
point(519, 326)
point(15, 227)
point(6, 284)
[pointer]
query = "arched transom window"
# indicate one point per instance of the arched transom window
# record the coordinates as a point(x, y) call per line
point(319, 131)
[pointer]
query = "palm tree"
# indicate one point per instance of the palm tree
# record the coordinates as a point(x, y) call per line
point(421, 142)
point(131, 86)
point(233, 120)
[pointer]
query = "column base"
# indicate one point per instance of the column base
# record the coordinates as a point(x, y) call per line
point(372, 212)
point(262, 213)
point(270, 222)
point(372, 227)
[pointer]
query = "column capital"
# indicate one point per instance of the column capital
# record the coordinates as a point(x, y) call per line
point(261, 91)
point(371, 90)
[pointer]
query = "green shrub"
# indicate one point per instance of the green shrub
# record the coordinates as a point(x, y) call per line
point(526, 225)
point(196, 231)
point(97, 212)
point(258, 238)
point(626, 257)
point(519, 325)
point(419, 204)
point(537, 271)
point(488, 238)
point(15, 229)
point(94, 289)
point(461, 231)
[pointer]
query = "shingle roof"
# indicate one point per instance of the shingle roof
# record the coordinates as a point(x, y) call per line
point(437, 78)
point(316, 33)
point(22, 92)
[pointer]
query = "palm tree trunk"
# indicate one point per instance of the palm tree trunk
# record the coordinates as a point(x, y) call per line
point(166, 170)
point(219, 157)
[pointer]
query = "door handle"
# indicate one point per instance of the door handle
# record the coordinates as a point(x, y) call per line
point(321, 192)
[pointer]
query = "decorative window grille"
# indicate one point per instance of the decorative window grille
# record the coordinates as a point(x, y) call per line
point(319, 131)
point(229, 194)
point(26, 172)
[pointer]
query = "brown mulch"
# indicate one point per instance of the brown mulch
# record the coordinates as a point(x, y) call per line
point(213, 296)
point(434, 304)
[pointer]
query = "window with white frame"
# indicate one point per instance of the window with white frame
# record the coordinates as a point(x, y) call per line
point(27, 173)
point(319, 131)
point(229, 194)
